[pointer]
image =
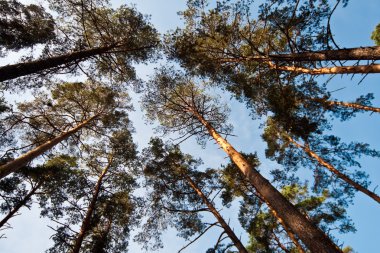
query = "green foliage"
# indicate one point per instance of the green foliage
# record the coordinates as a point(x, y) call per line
point(376, 35)
point(114, 212)
point(43, 183)
point(67, 105)
point(129, 33)
point(170, 94)
point(264, 228)
point(172, 201)
point(24, 25)
point(343, 156)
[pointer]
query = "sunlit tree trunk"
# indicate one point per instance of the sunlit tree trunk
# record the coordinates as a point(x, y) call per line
point(217, 215)
point(20, 204)
point(336, 172)
point(314, 238)
point(351, 105)
point(360, 69)
point(90, 210)
point(348, 54)
point(21, 161)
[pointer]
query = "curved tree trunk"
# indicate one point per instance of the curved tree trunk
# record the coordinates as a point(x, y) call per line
point(20, 204)
point(24, 159)
point(90, 210)
point(336, 172)
point(314, 238)
point(217, 215)
point(9, 72)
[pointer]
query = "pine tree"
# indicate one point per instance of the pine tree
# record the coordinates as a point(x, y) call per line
point(180, 192)
point(24, 25)
point(109, 41)
point(35, 183)
point(170, 95)
point(71, 111)
point(102, 204)
point(287, 36)
point(267, 232)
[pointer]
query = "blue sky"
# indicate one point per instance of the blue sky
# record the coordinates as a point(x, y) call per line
point(352, 27)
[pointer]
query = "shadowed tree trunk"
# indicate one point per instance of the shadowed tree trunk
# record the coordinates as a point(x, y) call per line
point(336, 172)
point(20, 204)
point(90, 210)
point(217, 215)
point(9, 72)
point(314, 238)
point(21, 161)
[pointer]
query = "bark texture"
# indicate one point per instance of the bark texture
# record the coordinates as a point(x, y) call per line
point(314, 238)
point(24, 159)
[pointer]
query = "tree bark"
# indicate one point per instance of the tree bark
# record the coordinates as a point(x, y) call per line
point(351, 105)
point(288, 231)
point(361, 69)
point(90, 210)
point(347, 54)
point(20, 204)
point(217, 215)
point(9, 72)
point(336, 172)
point(314, 238)
point(21, 161)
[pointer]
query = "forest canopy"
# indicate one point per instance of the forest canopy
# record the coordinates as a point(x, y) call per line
point(239, 128)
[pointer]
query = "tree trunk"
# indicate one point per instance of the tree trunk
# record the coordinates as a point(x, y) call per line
point(351, 105)
point(21, 161)
point(348, 54)
point(361, 69)
point(336, 172)
point(20, 204)
point(309, 234)
point(9, 72)
point(90, 210)
point(288, 231)
point(217, 215)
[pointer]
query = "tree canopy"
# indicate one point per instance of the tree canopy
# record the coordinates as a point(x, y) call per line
point(285, 156)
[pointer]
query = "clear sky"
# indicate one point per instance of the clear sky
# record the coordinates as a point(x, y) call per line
point(352, 27)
